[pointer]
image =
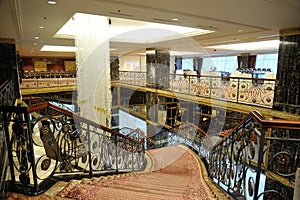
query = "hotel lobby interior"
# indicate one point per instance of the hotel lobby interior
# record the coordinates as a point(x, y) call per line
point(119, 99)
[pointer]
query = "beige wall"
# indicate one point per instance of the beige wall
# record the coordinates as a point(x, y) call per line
point(133, 63)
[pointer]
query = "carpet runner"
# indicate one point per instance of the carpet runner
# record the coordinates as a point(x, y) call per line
point(176, 173)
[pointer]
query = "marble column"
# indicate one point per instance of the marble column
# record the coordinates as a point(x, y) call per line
point(287, 90)
point(114, 68)
point(158, 68)
point(158, 72)
point(9, 68)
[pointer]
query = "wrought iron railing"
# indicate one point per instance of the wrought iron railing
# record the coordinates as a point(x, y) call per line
point(259, 159)
point(8, 96)
point(47, 143)
point(185, 133)
point(136, 134)
point(254, 91)
point(7, 93)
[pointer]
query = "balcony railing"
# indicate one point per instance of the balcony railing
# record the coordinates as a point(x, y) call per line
point(254, 91)
point(48, 74)
point(39, 80)
point(47, 143)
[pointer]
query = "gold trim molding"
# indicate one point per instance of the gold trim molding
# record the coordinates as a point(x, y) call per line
point(290, 31)
point(238, 107)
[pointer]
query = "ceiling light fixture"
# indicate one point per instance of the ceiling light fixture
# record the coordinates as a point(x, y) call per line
point(267, 36)
point(125, 30)
point(59, 48)
point(263, 45)
point(52, 2)
point(36, 37)
point(41, 27)
point(175, 19)
point(220, 42)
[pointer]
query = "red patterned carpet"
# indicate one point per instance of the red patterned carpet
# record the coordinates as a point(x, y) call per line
point(176, 173)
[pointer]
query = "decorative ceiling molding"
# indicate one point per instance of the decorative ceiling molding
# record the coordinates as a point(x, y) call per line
point(16, 13)
point(118, 3)
point(290, 31)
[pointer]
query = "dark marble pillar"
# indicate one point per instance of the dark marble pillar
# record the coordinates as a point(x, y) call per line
point(152, 113)
point(158, 72)
point(197, 65)
point(287, 90)
point(243, 61)
point(158, 68)
point(9, 64)
point(114, 68)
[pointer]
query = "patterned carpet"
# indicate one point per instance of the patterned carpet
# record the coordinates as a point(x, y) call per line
point(176, 173)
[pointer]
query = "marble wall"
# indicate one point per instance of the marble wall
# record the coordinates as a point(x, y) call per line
point(287, 90)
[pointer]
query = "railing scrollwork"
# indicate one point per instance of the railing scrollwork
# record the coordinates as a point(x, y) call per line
point(254, 91)
point(48, 143)
point(258, 160)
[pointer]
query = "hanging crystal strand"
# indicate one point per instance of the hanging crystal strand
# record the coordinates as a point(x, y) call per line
point(93, 73)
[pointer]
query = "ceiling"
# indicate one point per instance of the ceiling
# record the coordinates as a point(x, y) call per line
point(231, 21)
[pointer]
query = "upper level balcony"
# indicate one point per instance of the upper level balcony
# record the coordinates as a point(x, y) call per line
point(239, 89)
point(45, 82)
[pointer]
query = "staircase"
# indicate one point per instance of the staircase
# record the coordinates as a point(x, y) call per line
point(257, 159)
point(175, 173)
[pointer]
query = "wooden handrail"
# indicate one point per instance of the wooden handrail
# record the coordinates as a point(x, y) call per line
point(75, 116)
point(4, 84)
point(202, 131)
point(266, 123)
point(134, 131)
point(276, 123)
point(194, 126)
point(37, 107)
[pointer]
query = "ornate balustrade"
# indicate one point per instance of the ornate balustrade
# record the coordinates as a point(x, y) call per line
point(254, 91)
point(7, 93)
point(185, 133)
point(136, 134)
point(259, 159)
point(133, 78)
point(8, 96)
point(50, 74)
point(47, 83)
point(47, 143)
point(44, 82)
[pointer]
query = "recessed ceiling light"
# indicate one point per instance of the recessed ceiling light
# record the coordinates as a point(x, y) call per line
point(35, 44)
point(41, 27)
point(52, 2)
point(175, 19)
point(36, 37)
point(59, 48)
